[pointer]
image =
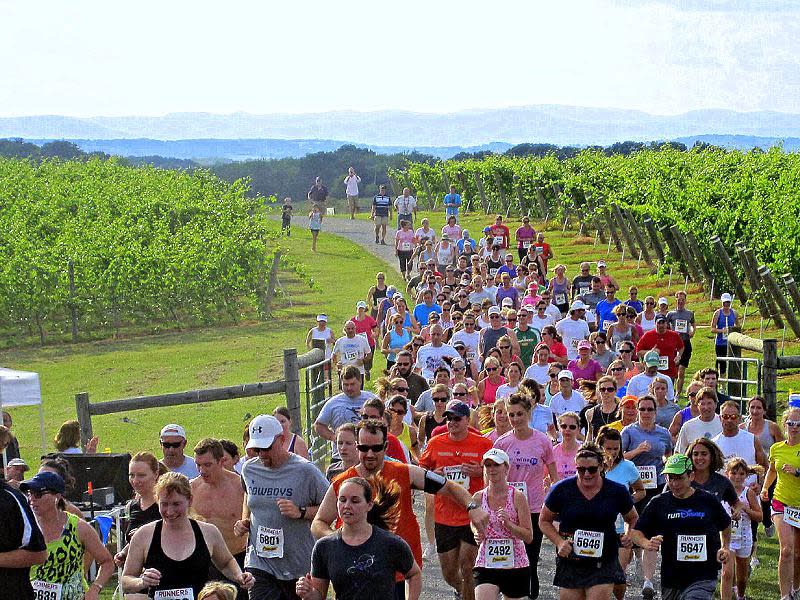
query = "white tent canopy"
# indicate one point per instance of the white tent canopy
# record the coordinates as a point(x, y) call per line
point(22, 388)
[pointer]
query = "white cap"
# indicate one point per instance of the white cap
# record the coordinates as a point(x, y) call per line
point(565, 374)
point(263, 430)
point(361, 304)
point(663, 300)
point(726, 297)
point(601, 263)
point(495, 310)
point(322, 317)
point(173, 429)
point(577, 305)
point(496, 455)
point(508, 302)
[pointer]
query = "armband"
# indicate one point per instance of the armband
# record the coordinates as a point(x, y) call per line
point(433, 482)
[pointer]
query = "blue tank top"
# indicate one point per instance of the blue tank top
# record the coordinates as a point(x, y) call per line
point(723, 321)
point(396, 342)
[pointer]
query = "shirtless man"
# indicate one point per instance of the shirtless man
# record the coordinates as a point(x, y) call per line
point(217, 499)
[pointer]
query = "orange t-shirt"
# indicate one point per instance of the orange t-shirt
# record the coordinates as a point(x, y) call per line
point(442, 452)
point(407, 526)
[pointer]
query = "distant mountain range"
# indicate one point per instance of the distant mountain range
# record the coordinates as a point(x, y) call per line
point(556, 124)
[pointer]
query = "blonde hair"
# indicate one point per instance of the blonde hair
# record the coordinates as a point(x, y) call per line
point(68, 436)
point(218, 591)
point(173, 482)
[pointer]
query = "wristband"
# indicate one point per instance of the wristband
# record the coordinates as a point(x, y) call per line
point(471, 506)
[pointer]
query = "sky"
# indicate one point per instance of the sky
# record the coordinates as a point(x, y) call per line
point(87, 58)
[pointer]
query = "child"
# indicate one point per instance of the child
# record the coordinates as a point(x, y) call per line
point(286, 216)
point(216, 590)
point(314, 224)
point(737, 470)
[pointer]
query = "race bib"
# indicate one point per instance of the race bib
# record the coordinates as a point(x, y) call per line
point(269, 543)
point(455, 475)
point(520, 485)
point(791, 516)
point(725, 334)
point(499, 554)
point(498, 239)
point(681, 325)
point(607, 324)
point(492, 272)
point(44, 590)
point(539, 250)
point(560, 299)
point(176, 594)
point(692, 548)
point(471, 354)
point(647, 473)
point(583, 290)
point(526, 244)
point(736, 529)
point(663, 363)
point(574, 342)
point(588, 544)
point(351, 356)
point(405, 246)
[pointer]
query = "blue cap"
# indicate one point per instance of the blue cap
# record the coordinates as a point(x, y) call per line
point(794, 400)
point(41, 482)
point(458, 408)
point(487, 229)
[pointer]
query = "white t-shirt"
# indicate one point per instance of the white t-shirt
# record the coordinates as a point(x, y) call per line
point(405, 206)
point(325, 335)
point(571, 333)
point(638, 385)
point(505, 390)
point(351, 185)
point(350, 350)
point(470, 340)
point(695, 428)
point(538, 373)
point(560, 405)
point(429, 358)
point(540, 324)
point(423, 235)
point(553, 311)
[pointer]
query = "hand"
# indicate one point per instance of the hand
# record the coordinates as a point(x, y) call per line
point(288, 508)
point(150, 578)
point(722, 555)
point(565, 549)
point(735, 513)
point(503, 516)
point(654, 543)
point(643, 447)
point(246, 580)
point(91, 445)
point(626, 541)
point(241, 527)
point(119, 558)
point(472, 469)
point(303, 587)
point(788, 469)
point(479, 519)
point(92, 593)
point(764, 494)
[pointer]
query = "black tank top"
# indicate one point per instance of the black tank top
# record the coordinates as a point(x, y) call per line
point(175, 574)
point(378, 295)
point(431, 424)
point(490, 337)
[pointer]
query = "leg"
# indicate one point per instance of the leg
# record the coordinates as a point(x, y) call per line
point(625, 555)
point(467, 553)
point(742, 564)
point(314, 234)
point(571, 594)
point(487, 591)
point(600, 592)
point(786, 559)
point(533, 550)
point(796, 565)
point(726, 580)
point(383, 231)
point(679, 381)
point(649, 558)
point(451, 572)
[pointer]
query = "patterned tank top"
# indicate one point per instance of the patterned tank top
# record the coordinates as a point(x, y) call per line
point(64, 563)
point(501, 549)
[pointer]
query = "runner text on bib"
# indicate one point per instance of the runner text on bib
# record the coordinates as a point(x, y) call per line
point(405, 246)
point(692, 548)
point(526, 244)
point(44, 590)
point(520, 485)
point(175, 594)
point(647, 473)
point(607, 324)
point(560, 299)
point(269, 543)
point(499, 554)
point(588, 544)
point(681, 325)
point(498, 239)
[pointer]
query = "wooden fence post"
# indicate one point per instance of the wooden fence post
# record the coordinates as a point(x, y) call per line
point(769, 374)
point(729, 269)
point(674, 251)
point(791, 286)
point(772, 286)
point(762, 300)
point(84, 417)
point(73, 305)
point(694, 272)
point(626, 234)
point(291, 377)
point(700, 260)
point(774, 309)
point(591, 208)
point(640, 239)
point(612, 230)
point(655, 243)
point(446, 181)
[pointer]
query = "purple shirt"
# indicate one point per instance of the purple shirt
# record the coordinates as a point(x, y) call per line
point(511, 292)
point(591, 371)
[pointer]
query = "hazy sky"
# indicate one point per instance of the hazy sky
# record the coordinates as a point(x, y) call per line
point(87, 58)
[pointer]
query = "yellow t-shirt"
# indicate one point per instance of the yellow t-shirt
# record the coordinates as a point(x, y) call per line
point(616, 425)
point(787, 490)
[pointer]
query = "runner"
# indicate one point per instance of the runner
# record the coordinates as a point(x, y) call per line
point(784, 468)
point(381, 214)
point(573, 328)
point(346, 448)
point(351, 350)
point(706, 425)
point(431, 356)
point(565, 451)
point(293, 442)
point(340, 558)
point(738, 471)
point(667, 343)
point(640, 384)
point(735, 442)
point(560, 289)
point(403, 248)
point(502, 565)
point(173, 441)
point(581, 284)
point(604, 412)
point(586, 508)
point(376, 294)
point(457, 456)
point(283, 492)
point(170, 558)
point(342, 408)
point(406, 207)
point(395, 339)
point(217, 498)
point(143, 472)
point(681, 320)
point(721, 323)
point(321, 332)
point(567, 399)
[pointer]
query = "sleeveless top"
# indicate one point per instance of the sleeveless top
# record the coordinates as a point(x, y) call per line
point(405, 436)
point(648, 324)
point(315, 221)
point(323, 335)
point(724, 321)
point(619, 336)
point(490, 390)
point(490, 337)
point(396, 342)
point(495, 530)
point(431, 424)
point(64, 563)
point(378, 295)
point(765, 437)
point(191, 572)
point(558, 289)
point(445, 255)
point(741, 532)
point(291, 444)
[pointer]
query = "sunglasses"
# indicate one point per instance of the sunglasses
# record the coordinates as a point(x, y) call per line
point(38, 493)
point(590, 470)
point(404, 364)
point(374, 447)
point(439, 400)
point(460, 393)
point(491, 369)
point(171, 444)
point(729, 417)
point(616, 369)
point(494, 316)
point(552, 375)
point(400, 389)
point(259, 450)
point(793, 423)
point(398, 411)
point(416, 345)
point(608, 389)
point(568, 426)
point(504, 347)
point(646, 409)
point(625, 351)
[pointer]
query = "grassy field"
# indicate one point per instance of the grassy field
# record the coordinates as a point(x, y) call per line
point(252, 351)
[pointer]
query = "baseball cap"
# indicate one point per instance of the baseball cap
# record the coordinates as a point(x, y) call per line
point(263, 430)
point(361, 304)
point(51, 482)
point(391, 291)
point(651, 359)
point(446, 236)
point(322, 317)
point(487, 229)
point(601, 263)
point(663, 300)
point(677, 464)
point(584, 344)
point(508, 302)
point(577, 305)
point(565, 374)
point(457, 407)
point(496, 455)
point(628, 399)
point(660, 318)
point(495, 310)
point(173, 429)
point(459, 343)
point(18, 462)
point(726, 297)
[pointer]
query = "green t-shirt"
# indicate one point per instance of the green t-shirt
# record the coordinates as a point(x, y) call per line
point(528, 340)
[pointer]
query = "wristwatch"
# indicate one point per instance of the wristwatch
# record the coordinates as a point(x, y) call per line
point(797, 472)
point(472, 506)
point(302, 512)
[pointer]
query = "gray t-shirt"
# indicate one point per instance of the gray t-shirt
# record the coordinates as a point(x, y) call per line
point(660, 444)
point(188, 468)
point(279, 545)
point(679, 320)
point(341, 409)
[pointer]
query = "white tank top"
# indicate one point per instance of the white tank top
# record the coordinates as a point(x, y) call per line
point(444, 255)
point(647, 324)
point(323, 335)
point(742, 445)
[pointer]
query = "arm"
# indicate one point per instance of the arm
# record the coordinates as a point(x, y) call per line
point(761, 456)
point(753, 507)
point(222, 558)
point(308, 339)
point(553, 472)
point(325, 516)
point(312, 588)
point(546, 518)
point(675, 426)
point(769, 479)
point(134, 578)
point(324, 431)
point(714, 320)
point(638, 538)
point(414, 579)
point(21, 559)
point(105, 562)
point(524, 530)
point(637, 491)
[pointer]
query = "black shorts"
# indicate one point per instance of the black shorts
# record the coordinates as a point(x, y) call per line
point(687, 354)
point(582, 574)
point(449, 537)
point(513, 583)
point(649, 495)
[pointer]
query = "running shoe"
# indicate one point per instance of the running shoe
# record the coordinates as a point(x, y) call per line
point(430, 552)
point(648, 591)
point(754, 563)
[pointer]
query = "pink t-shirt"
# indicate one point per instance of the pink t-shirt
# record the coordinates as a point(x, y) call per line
point(529, 459)
point(367, 324)
point(565, 461)
point(404, 240)
point(592, 371)
point(454, 232)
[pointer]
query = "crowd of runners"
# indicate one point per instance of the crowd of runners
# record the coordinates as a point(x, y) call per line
point(514, 400)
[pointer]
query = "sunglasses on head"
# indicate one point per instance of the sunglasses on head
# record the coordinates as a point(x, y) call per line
point(591, 470)
point(171, 444)
point(374, 447)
